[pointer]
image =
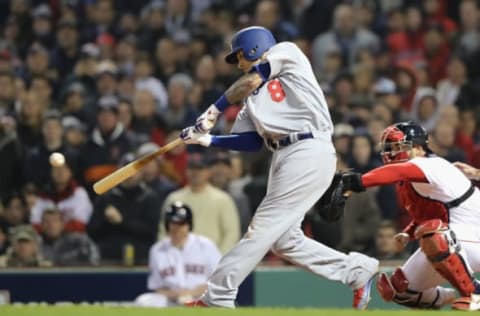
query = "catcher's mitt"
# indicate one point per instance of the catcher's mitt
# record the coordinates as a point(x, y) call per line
point(331, 205)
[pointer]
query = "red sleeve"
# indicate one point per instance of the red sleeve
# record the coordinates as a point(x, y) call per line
point(388, 174)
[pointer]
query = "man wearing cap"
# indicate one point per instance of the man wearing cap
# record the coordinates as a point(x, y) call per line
point(42, 27)
point(152, 175)
point(215, 213)
point(126, 216)
point(24, 250)
point(36, 167)
point(180, 263)
point(108, 142)
point(65, 248)
point(106, 78)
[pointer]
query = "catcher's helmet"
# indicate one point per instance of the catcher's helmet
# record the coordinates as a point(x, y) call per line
point(179, 213)
point(399, 138)
point(253, 41)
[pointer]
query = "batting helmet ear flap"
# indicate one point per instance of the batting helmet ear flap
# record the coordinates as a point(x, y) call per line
point(180, 213)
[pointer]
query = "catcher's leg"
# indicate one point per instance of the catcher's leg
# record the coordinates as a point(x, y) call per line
point(441, 248)
point(396, 288)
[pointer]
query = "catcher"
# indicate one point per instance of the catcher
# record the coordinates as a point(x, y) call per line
point(445, 211)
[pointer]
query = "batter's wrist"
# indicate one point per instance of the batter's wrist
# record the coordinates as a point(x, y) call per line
point(222, 103)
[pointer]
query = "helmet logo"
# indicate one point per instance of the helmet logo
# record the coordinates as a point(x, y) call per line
point(252, 51)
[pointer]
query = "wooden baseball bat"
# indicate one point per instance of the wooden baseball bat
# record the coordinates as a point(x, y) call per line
point(125, 172)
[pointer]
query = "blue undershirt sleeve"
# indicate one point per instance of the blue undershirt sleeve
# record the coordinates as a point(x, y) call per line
point(249, 141)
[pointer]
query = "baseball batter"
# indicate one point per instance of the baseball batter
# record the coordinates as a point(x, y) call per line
point(283, 107)
point(445, 210)
point(179, 264)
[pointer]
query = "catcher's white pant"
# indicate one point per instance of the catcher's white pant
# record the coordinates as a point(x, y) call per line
point(299, 175)
point(421, 275)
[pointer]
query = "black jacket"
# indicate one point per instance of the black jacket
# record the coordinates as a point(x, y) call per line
point(140, 210)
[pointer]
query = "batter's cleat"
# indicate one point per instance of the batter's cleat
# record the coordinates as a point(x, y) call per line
point(361, 296)
point(195, 303)
point(471, 303)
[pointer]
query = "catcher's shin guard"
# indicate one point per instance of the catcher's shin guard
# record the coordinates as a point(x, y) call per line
point(388, 287)
point(440, 246)
point(395, 288)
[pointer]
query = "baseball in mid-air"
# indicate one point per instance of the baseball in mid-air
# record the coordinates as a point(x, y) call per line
point(57, 159)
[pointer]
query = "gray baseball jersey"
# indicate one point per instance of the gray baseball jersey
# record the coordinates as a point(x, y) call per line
point(291, 101)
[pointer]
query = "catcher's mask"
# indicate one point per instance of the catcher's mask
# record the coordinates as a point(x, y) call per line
point(398, 140)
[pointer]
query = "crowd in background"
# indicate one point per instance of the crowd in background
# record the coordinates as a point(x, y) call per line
point(104, 82)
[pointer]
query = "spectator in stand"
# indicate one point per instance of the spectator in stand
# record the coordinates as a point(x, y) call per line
point(342, 139)
point(179, 264)
point(146, 123)
point(331, 66)
point(426, 108)
point(84, 72)
point(125, 52)
point(37, 166)
point(144, 80)
point(176, 160)
point(179, 112)
point(153, 16)
point(15, 210)
point(29, 120)
point(205, 75)
point(107, 143)
point(362, 153)
point(448, 89)
point(106, 75)
point(11, 157)
point(177, 16)
point(358, 226)
point(435, 12)
point(7, 92)
point(385, 245)
point(63, 192)
point(37, 63)
point(442, 142)
point(76, 104)
point(346, 35)
point(268, 15)
point(125, 217)
point(407, 45)
point(67, 50)
point(437, 51)
point(75, 132)
point(214, 211)
point(42, 87)
point(152, 172)
point(103, 17)
point(65, 248)
point(165, 59)
point(42, 25)
point(24, 250)
point(467, 42)
point(221, 177)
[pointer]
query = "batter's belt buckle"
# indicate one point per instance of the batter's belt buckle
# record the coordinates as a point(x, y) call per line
point(273, 143)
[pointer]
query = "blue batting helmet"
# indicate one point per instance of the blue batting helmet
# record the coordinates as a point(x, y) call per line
point(253, 41)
